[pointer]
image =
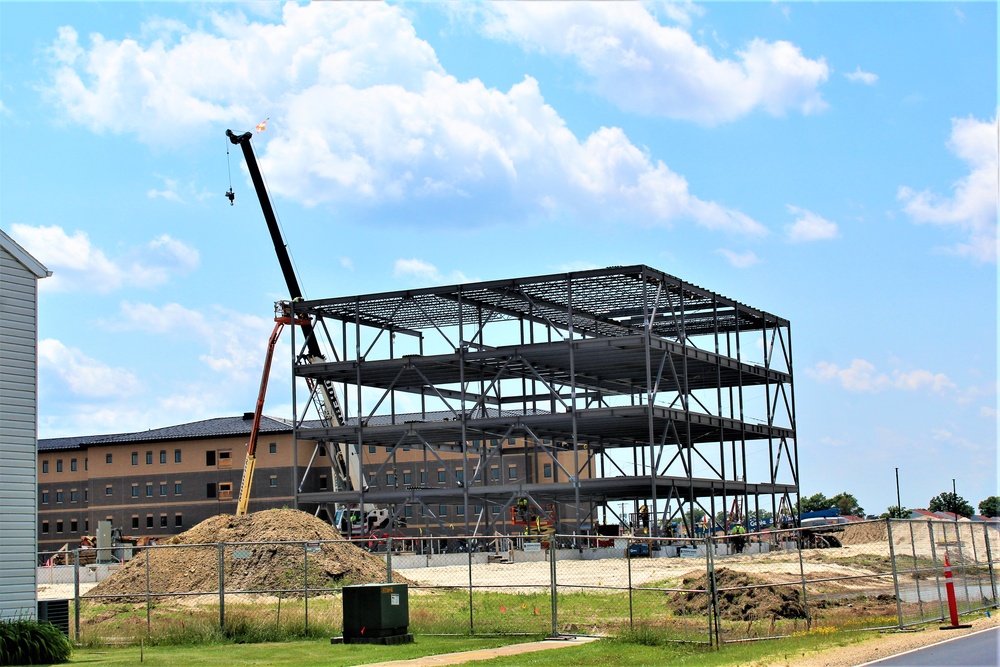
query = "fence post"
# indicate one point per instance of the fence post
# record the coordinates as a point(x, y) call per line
point(552, 585)
point(916, 572)
point(472, 625)
point(305, 584)
point(713, 615)
point(76, 594)
point(628, 561)
point(989, 562)
point(222, 584)
point(148, 600)
point(965, 568)
point(937, 576)
point(388, 559)
point(895, 574)
point(802, 576)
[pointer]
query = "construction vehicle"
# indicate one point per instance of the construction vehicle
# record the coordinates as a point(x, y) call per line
point(282, 316)
point(345, 463)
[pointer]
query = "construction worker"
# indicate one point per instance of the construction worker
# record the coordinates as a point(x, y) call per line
point(644, 516)
point(522, 508)
point(739, 534)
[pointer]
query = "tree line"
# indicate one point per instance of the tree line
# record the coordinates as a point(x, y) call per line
point(947, 501)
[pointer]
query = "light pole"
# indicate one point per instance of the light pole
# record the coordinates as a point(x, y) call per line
point(899, 505)
point(954, 496)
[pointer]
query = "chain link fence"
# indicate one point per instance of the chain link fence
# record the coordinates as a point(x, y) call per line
point(711, 589)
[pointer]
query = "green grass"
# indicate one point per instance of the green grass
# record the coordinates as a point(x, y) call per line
point(643, 647)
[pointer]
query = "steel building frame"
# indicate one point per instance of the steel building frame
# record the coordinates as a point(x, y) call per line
point(639, 388)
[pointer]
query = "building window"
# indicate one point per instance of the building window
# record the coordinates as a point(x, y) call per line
point(149, 458)
point(459, 476)
point(135, 490)
point(511, 441)
point(225, 490)
point(59, 526)
point(225, 458)
point(74, 495)
point(59, 496)
point(149, 521)
point(408, 511)
point(210, 457)
point(107, 458)
point(177, 456)
point(135, 458)
point(495, 474)
point(163, 456)
point(73, 526)
point(108, 491)
point(371, 479)
point(86, 463)
point(58, 465)
point(45, 527)
point(178, 520)
point(86, 525)
point(178, 488)
point(388, 449)
point(460, 510)
point(149, 490)
point(407, 478)
point(273, 481)
point(86, 495)
point(72, 465)
point(322, 482)
point(443, 510)
point(272, 448)
point(390, 480)
point(210, 490)
point(512, 472)
point(547, 470)
point(135, 521)
point(372, 449)
point(163, 521)
point(163, 488)
point(45, 466)
point(45, 497)
point(442, 476)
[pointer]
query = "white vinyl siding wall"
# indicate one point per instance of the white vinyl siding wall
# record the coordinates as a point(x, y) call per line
point(18, 436)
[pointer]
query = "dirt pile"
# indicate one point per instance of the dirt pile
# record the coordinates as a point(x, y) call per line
point(864, 533)
point(257, 557)
point(751, 600)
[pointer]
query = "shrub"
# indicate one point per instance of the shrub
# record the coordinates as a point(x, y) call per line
point(29, 642)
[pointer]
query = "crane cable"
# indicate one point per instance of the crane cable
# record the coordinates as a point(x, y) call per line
point(230, 195)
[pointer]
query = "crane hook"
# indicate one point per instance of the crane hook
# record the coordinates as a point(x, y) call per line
point(231, 196)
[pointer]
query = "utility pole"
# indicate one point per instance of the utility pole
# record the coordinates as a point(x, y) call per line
point(899, 504)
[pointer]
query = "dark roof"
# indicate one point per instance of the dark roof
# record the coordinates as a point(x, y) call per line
point(208, 428)
point(221, 427)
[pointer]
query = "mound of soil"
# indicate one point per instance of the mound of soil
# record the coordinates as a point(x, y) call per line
point(865, 533)
point(752, 599)
point(254, 558)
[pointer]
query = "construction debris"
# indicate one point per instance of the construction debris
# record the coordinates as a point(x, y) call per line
point(270, 551)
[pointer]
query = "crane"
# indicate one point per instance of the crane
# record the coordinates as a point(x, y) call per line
point(345, 462)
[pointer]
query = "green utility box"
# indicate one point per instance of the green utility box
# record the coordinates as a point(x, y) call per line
point(376, 614)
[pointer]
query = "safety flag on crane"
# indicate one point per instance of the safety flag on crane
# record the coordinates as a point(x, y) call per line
point(261, 126)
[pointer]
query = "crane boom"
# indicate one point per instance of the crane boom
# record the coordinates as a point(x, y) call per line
point(347, 468)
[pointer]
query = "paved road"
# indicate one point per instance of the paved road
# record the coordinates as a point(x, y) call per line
point(979, 649)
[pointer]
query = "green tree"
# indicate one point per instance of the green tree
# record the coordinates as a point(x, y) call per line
point(951, 502)
point(816, 503)
point(895, 512)
point(847, 504)
point(990, 506)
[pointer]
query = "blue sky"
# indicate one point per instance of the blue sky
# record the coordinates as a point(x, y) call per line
point(833, 163)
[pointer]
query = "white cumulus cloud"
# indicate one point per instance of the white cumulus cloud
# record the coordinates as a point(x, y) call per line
point(809, 227)
point(860, 76)
point(418, 270)
point(83, 375)
point(862, 376)
point(741, 260)
point(77, 265)
point(649, 68)
point(405, 133)
point(971, 209)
